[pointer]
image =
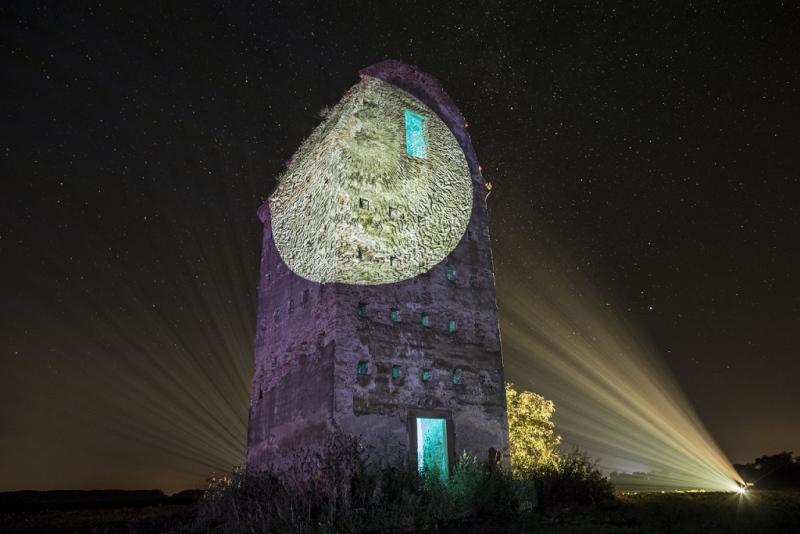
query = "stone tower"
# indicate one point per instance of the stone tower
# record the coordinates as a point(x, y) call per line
point(377, 311)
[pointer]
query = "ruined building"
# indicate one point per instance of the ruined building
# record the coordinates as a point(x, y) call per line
point(377, 312)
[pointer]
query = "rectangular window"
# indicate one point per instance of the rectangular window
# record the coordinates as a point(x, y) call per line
point(277, 314)
point(394, 314)
point(304, 299)
point(426, 375)
point(288, 357)
point(451, 325)
point(395, 371)
point(415, 134)
point(449, 274)
point(360, 254)
point(392, 212)
point(473, 281)
point(392, 260)
point(362, 368)
point(425, 319)
point(456, 377)
point(478, 330)
point(362, 309)
point(290, 306)
point(363, 203)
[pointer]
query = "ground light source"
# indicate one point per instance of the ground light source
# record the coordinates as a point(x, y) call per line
point(614, 397)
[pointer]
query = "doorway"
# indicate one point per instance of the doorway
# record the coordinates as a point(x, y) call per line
point(431, 440)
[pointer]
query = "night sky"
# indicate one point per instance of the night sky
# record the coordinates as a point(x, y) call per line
point(650, 153)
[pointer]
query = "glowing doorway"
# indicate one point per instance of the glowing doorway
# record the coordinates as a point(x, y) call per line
point(432, 449)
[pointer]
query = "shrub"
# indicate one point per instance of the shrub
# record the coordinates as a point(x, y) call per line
point(339, 488)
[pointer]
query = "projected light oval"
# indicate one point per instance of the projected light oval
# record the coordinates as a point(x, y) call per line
point(380, 192)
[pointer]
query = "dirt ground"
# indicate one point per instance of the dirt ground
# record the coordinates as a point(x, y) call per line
point(773, 512)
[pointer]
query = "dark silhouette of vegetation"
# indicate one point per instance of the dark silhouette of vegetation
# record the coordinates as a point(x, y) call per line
point(779, 471)
point(347, 488)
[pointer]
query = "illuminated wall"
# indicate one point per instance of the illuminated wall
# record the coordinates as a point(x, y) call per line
point(386, 200)
point(379, 193)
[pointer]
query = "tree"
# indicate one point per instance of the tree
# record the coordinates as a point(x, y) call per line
point(772, 472)
point(530, 430)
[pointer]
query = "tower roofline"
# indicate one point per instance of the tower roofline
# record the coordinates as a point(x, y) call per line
point(423, 86)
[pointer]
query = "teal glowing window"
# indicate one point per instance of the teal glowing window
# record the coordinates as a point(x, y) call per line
point(451, 325)
point(362, 368)
point(449, 274)
point(432, 449)
point(425, 319)
point(456, 377)
point(473, 281)
point(395, 371)
point(362, 309)
point(394, 314)
point(415, 134)
point(426, 375)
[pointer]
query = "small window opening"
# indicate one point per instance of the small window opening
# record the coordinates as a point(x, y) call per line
point(394, 314)
point(415, 134)
point(280, 267)
point(478, 330)
point(456, 376)
point(395, 371)
point(362, 368)
point(425, 319)
point(290, 306)
point(304, 346)
point(470, 235)
point(268, 278)
point(260, 393)
point(304, 298)
point(392, 260)
point(451, 325)
point(393, 213)
point(360, 254)
point(473, 281)
point(422, 269)
point(363, 203)
point(288, 357)
point(274, 362)
point(362, 309)
point(277, 314)
point(426, 375)
point(449, 274)
point(483, 379)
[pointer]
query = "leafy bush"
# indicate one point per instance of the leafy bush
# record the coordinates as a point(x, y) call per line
point(571, 479)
